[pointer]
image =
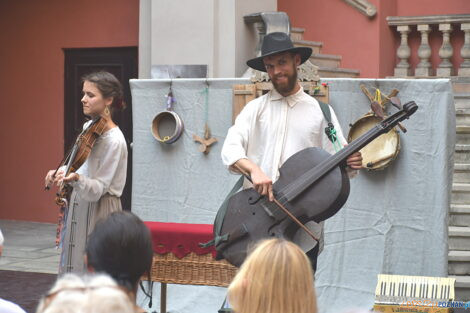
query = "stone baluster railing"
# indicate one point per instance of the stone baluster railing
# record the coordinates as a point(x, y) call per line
point(424, 52)
point(464, 69)
point(446, 24)
point(445, 52)
point(403, 53)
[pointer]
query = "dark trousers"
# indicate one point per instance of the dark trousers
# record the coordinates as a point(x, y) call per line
point(313, 255)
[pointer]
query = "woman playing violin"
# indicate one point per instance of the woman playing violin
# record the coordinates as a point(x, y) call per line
point(99, 181)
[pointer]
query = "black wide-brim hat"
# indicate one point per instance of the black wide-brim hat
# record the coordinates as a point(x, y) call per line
point(274, 43)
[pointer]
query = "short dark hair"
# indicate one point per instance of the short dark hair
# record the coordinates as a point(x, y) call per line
point(121, 246)
point(108, 85)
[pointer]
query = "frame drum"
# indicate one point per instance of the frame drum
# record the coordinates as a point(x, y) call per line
point(379, 153)
point(167, 127)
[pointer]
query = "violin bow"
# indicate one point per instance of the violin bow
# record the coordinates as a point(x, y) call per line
point(288, 213)
point(66, 158)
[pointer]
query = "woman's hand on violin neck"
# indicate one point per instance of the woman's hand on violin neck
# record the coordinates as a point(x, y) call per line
point(61, 179)
point(354, 161)
point(71, 178)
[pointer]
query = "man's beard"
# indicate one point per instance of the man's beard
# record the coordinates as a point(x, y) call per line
point(287, 88)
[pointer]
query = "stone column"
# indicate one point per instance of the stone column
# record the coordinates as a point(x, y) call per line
point(403, 53)
point(464, 69)
point(424, 52)
point(445, 52)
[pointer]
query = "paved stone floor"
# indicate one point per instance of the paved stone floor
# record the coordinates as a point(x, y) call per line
point(29, 247)
point(29, 263)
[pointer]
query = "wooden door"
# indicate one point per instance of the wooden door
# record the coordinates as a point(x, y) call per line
point(122, 62)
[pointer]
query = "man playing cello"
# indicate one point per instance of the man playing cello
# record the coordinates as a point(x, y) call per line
point(282, 122)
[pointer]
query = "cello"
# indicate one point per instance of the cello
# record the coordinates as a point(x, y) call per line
point(312, 186)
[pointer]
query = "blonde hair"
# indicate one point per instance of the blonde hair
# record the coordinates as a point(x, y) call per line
point(275, 278)
point(89, 294)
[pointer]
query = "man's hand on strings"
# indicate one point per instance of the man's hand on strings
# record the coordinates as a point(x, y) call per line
point(261, 182)
point(354, 161)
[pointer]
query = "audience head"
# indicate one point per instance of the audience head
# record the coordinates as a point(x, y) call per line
point(75, 294)
point(276, 277)
point(120, 246)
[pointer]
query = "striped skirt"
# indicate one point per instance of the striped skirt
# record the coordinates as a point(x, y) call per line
point(80, 219)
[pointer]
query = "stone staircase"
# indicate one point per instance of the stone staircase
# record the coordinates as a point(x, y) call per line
point(459, 214)
point(328, 65)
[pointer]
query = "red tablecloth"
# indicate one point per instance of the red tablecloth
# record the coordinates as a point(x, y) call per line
point(180, 239)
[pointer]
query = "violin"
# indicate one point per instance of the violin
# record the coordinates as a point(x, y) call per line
point(313, 186)
point(78, 155)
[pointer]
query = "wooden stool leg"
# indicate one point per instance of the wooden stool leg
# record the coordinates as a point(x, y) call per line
point(163, 298)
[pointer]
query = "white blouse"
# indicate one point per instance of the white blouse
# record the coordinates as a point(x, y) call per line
point(105, 169)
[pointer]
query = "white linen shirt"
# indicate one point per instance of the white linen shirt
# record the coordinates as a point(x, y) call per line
point(272, 128)
point(105, 169)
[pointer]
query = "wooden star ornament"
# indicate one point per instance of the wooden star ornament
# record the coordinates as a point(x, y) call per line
point(206, 142)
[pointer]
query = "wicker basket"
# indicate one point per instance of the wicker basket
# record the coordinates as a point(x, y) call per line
point(193, 269)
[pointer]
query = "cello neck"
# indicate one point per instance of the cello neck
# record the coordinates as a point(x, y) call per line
point(297, 186)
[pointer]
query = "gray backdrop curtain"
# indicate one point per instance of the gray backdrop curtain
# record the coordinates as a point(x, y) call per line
point(394, 222)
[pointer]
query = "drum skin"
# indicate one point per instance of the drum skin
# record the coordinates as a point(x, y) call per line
point(378, 154)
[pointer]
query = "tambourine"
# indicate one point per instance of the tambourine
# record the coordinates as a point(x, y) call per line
point(167, 126)
point(379, 153)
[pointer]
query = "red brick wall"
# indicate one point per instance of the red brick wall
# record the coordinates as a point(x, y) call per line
point(32, 36)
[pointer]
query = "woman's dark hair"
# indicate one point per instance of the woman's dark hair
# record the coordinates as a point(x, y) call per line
point(121, 246)
point(108, 85)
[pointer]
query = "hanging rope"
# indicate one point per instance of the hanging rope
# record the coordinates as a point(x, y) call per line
point(206, 105)
point(206, 141)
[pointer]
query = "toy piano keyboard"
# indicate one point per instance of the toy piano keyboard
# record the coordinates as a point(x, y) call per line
point(398, 293)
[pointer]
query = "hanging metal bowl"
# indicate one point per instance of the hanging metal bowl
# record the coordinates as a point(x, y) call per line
point(167, 126)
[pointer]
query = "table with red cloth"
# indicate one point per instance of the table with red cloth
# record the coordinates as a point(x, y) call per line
point(179, 258)
point(180, 239)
